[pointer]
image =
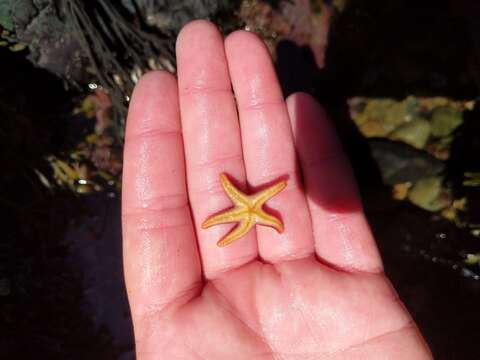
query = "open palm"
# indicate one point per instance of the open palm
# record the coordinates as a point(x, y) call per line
point(315, 291)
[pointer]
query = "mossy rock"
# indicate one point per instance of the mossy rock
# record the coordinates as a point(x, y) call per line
point(380, 117)
point(414, 133)
point(429, 194)
point(445, 120)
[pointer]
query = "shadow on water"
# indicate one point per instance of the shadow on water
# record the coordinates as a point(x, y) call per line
point(49, 305)
point(395, 49)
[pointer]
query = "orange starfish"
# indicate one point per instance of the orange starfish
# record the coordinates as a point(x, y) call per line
point(247, 211)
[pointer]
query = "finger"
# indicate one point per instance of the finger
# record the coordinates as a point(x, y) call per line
point(160, 257)
point(268, 146)
point(342, 235)
point(212, 141)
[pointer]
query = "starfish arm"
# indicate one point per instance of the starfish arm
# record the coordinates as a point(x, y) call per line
point(236, 195)
point(260, 198)
point(233, 215)
point(239, 231)
point(263, 218)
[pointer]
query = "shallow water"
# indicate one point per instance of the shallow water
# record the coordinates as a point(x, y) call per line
point(95, 250)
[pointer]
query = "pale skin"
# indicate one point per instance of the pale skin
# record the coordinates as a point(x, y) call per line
point(315, 291)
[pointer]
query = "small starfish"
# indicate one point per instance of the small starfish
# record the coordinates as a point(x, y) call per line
point(247, 211)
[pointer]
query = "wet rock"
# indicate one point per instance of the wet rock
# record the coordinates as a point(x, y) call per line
point(170, 15)
point(414, 174)
point(445, 120)
point(415, 133)
point(400, 163)
point(49, 27)
point(380, 117)
point(424, 123)
point(305, 23)
point(430, 195)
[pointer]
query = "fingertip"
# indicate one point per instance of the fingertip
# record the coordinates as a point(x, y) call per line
point(242, 39)
point(292, 98)
point(194, 31)
point(307, 105)
point(253, 75)
point(201, 62)
point(299, 97)
point(153, 81)
point(156, 76)
point(155, 91)
point(315, 134)
point(151, 87)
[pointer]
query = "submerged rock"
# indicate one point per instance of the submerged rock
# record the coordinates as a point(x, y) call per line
point(445, 120)
point(429, 194)
point(415, 175)
point(414, 133)
point(424, 123)
point(400, 163)
point(380, 117)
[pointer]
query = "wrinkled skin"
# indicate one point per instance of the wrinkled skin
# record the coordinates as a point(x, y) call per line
point(315, 291)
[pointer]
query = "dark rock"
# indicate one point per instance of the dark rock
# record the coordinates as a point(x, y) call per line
point(400, 163)
point(60, 43)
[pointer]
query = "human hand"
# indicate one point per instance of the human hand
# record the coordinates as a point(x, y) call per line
point(315, 291)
